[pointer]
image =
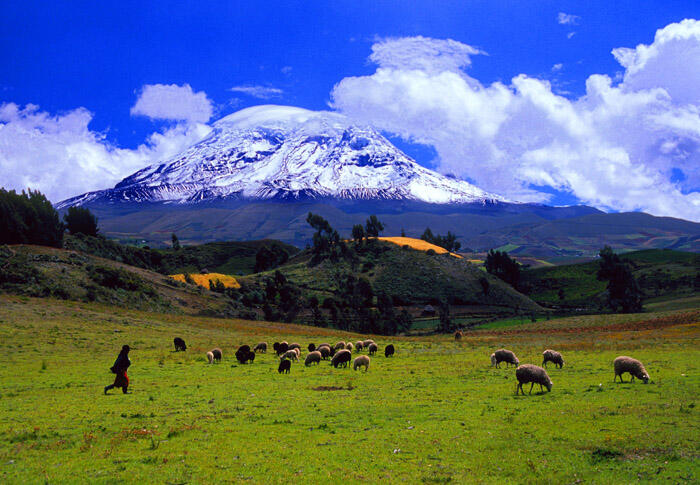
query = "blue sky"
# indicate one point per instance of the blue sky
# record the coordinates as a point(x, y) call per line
point(99, 55)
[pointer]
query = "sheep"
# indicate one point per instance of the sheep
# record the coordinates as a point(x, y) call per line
point(297, 350)
point(284, 366)
point(459, 335)
point(534, 375)
point(244, 355)
point(179, 344)
point(365, 343)
point(276, 346)
point(294, 346)
point(349, 346)
point(282, 348)
point(290, 354)
point(358, 345)
point(341, 358)
point(325, 351)
point(210, 357)
point(372, 348)
point(217, 354)
point(339, 345)
point(552, 356)
point(312, 357)
point(324, 344)
point(389, 350)
point(503, 355)
point(362, 360)
point(633, 366)
point(261, 347)
point(311, 347)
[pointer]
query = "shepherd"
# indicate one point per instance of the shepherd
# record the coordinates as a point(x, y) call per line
point(119, 368)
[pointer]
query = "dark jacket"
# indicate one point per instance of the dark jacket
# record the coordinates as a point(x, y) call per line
point(122, 363)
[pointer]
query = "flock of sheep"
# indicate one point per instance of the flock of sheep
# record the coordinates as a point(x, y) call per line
point(340, 353)
point(533, 374)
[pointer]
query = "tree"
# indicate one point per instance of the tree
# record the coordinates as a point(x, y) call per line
point(445, 320)
point(358, 233)
point(176, 242)
point(269, 258)
point(448, 242)
point(29, 218)
point(403, 233)
point(373, 227)
point(81, 220)
point(326, 241)
point(499, 264)
point(623, 291)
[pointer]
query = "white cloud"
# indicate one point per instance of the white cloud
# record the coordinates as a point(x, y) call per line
point(173, 102)
point(570, 35)
point(567, 19)
point(422, 53)
point(260, 92)
point(60, 156)
point(557, 67)
point(615, 147)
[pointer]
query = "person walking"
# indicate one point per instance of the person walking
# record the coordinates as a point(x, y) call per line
point(119, 368)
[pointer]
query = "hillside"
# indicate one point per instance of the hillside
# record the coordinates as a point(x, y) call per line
point(231, 257)
point(661, 274)
point(70, 275)
point(409, 276)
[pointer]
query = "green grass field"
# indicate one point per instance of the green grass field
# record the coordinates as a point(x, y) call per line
point(435, 413)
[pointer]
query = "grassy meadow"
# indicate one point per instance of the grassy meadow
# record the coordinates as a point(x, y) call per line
point(434, 413)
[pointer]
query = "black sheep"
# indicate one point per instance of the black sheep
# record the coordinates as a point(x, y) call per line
point(243, 348)
point(389, 350)
point(217, 354)
point(285, 365)
point(179, 344)
point(276, 346)
point(312, 347)
point(282, 348)
point(341, 358)
point(244, 355)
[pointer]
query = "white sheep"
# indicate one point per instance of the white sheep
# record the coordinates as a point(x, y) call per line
point(365, 343)
point(503, 355)
point(312, 357)
point(339, 345)
point(534, 375)
point(361, 361)
point(635, 368)
point(552, 356)
point(349, 346)
point(358, 345)
point(290, 355)
point(210, 357)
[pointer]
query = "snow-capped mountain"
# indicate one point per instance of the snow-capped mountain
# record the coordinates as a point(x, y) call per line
point(279, 152)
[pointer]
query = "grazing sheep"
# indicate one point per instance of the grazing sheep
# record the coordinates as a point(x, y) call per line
point(217, 354)
point(210, 357)
point(365, 343)
point(503, 355)
point(297, 350)
point(552, 356)
point(276, 346)
point(294, 346)
point(325, 351)
point(372, 348)
point(179, 344)
point(282, 348)
point(341, 358)
point(284, 366)
point(324, 343)
point(244, 355)
point(291, 355)
point(339, 345)
point(633, 366)
point(349, 346)
point(314, 356)
point(459, 335)
point(358, 345)
point(311, 347)
point(362, 360)
point(534, 375)
point(261, 347)
point(389, 350)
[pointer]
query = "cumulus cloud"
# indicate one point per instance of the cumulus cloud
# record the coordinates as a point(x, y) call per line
point(260, 92)
point(62, 157)
point(173, 102)
point(631, 145)
point(567, 19)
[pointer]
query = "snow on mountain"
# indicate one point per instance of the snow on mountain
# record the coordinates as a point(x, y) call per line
point(282, 152)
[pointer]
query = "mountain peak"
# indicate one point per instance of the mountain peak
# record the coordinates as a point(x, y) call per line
point(284, 152)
